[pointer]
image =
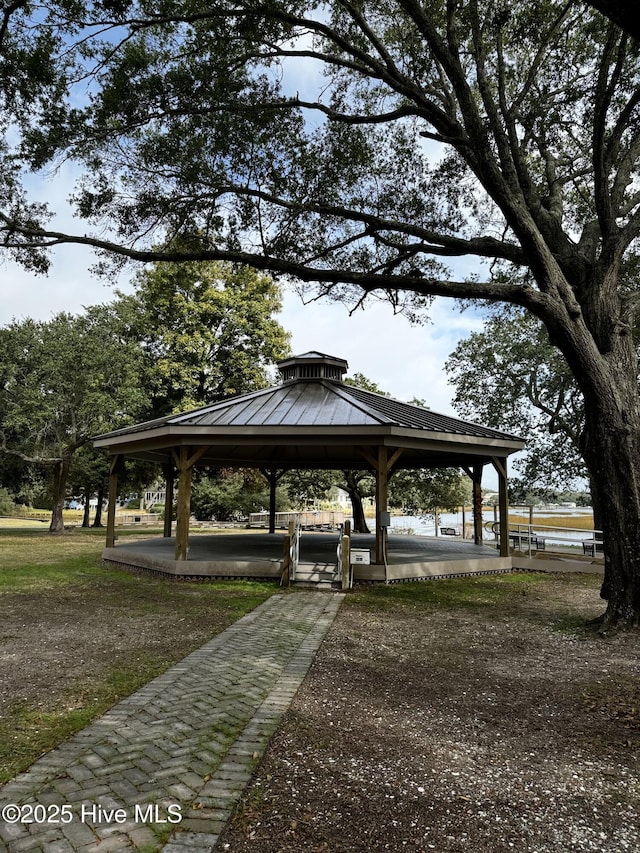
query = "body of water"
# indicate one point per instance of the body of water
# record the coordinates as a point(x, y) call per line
point(543, 524)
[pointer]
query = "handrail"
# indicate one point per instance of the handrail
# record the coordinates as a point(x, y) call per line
point(343, 558)
point(294, 550)
point(555, 527)
point(291, 554)
point(530, 533)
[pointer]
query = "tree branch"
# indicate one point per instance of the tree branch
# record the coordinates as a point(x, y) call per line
point(37, 460)
point(523, 295)
point(6, 13)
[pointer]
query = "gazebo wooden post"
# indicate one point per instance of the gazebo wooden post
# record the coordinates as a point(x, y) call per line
point(114, 469)
point(273, 482)
point(184, 504)
point(475, 475)
point(382, 465)
point(168, 499)
point(476, 478)
point(500, 464)
point(273, 477)
point(184, 464)
point(382, 503)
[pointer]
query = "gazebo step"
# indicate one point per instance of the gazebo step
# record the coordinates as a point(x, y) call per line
point(320, 586)
point(316, 575)
point(315, 571)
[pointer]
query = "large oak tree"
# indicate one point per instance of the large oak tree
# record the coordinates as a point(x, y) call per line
point(206, 331)
point(362, 146)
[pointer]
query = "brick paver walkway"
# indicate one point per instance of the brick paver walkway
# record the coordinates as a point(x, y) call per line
point(163, 769)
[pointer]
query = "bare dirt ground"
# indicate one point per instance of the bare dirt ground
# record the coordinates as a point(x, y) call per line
point(480, 717)
point(470, 715)
point(75, 637)
point(54, 643)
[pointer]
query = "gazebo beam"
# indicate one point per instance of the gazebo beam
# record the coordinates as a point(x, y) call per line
point(477, 503)
point(382, 503)
point(475, 475)
point(382, 464)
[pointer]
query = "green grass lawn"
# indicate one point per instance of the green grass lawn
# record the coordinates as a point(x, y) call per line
point(119, 630)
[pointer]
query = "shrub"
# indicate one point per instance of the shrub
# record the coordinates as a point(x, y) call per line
point(7, 505)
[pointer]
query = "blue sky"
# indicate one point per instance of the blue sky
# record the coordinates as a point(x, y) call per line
point(404, 360)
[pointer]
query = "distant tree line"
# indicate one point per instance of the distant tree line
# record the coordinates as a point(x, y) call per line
point(188, 335)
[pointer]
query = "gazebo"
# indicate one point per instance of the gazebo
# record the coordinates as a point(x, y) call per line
point(311, 420)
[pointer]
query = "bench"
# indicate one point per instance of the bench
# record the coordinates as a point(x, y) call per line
point(592, 547)
point(522, 541)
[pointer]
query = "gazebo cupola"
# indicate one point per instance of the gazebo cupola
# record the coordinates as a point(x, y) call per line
point(312, 365)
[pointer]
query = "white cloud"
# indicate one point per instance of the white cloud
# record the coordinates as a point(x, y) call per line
point(404, 360)
point(69, 286)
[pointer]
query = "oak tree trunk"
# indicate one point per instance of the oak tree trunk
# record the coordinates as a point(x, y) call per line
point(97, 521)
point(359, 520)
point(612, 453)
point(351, 487)
point(59, 488)
point(607, 374)
point(87, 508)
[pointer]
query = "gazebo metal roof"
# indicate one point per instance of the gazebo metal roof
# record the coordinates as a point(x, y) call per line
point(312, 421)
